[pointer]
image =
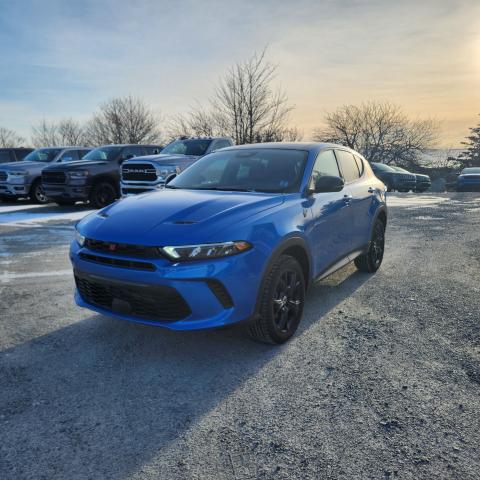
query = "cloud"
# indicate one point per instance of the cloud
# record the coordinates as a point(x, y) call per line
point(66, 57)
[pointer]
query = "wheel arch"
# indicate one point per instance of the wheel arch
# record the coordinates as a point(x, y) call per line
point(296, 247)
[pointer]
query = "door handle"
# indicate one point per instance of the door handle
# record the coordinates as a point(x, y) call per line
point(347, 198)
point(371, 190)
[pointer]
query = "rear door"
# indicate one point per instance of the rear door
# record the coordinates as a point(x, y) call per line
point(330, 230)
point(361, 197)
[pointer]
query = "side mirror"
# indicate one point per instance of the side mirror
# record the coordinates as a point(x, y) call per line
point(327, 183)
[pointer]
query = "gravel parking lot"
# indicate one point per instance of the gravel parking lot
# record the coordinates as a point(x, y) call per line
point(381, 381)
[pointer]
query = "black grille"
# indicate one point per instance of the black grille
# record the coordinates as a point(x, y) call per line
point(139, 251)
point(3, 176)
point(53, 177)
point(148, 302)
point(221, 293)
point(117, 262)
point(143, 172)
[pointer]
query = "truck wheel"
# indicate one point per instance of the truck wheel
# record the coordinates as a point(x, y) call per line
point(102, 194)
point(282, 301)
point(37, 193)
point(371, 260)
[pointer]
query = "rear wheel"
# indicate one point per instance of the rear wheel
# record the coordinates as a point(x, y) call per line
point(102, 194)
point(371, 260)
point(282, 301)
point(37, 193)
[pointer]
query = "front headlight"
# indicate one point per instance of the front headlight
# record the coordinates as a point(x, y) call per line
point(78, 173)
point(165, 172)
point(79, 238)
point(206, 251)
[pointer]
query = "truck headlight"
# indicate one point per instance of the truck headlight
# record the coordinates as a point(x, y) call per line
point(79, 238)
point(78, 173)
point(205, 251)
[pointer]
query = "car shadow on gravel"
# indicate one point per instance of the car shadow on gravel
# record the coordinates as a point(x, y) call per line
point(100, 398)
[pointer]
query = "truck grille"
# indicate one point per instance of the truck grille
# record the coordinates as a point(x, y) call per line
point(122, 249)
point(156, 302)
point(53, 177)
point(3, 176)
point(140, 172)
point(117, 262)
point(404, 177)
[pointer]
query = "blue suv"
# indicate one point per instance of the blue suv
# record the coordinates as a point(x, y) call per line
point(239, 236)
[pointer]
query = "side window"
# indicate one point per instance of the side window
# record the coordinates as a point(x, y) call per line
point(360, 166)
point(21, 153)
point(152, 150)
point(5, 156)
point(132, 151)
point(82, 153)
point(326, 164)
point(348, 165)
point(220, 144)
point(68, 156)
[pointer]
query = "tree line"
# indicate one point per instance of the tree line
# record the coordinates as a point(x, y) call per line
point(246, 106)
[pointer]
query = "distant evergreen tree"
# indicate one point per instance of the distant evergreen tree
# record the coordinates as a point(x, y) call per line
point(471, 156)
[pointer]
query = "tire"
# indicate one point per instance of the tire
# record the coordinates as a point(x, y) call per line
point(371, 260)
point(281, 302)
point(37, 193)
point(102, 194)
point(63, 201)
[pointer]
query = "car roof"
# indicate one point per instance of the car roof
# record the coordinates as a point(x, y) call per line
point(310, 146)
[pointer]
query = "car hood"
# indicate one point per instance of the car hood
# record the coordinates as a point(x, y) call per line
point(77, 164)
point(161, 159)
point(175, 217)
point(23, 166)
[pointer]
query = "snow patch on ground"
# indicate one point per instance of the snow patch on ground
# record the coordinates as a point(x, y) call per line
point(414, 200)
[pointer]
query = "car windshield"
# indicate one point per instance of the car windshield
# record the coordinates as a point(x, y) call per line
point(380, 167)
point(272, 170)
point(103, 153)
point(187, 147)
point(399, 169)
point(471, 170)
point(42, 155)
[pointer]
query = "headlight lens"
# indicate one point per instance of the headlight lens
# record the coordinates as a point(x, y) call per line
point(79, 238)
point(78, 173)
point(164, 172)
point(206, 251)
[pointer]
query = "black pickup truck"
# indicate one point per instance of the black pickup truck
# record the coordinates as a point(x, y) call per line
point(95, 178)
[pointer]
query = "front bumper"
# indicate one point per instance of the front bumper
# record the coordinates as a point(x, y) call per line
point(65, 191)
point(135, 188)
point(205, 287)
point(405, 185)
point(14, 189)
point(468, 186)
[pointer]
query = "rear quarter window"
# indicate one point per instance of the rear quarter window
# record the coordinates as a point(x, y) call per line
point(348, 166)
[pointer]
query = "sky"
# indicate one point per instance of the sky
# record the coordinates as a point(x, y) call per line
point(62, 58)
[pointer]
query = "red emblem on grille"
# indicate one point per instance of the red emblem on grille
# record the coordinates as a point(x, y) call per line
point(112, 247)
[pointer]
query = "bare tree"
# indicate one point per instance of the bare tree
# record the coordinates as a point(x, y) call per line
point(45, 134)
point(66, 132)
point(380, 131)
point(123, 120)
point(247, 105)
point(8, 138)
point(197, 122)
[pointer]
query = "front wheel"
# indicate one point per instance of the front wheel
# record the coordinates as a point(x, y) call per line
point(371, 260)
point(37, 193)
point(102, 194)
point(281, 302)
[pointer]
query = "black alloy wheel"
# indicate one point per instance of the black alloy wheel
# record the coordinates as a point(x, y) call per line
point(102, 194)
point(371, 260)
